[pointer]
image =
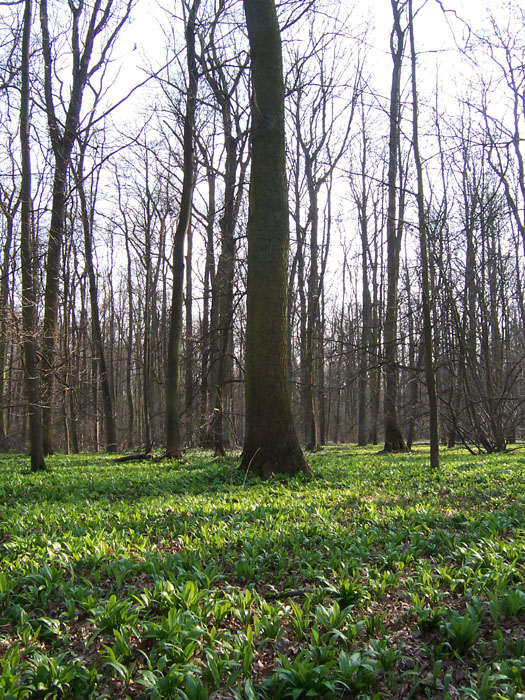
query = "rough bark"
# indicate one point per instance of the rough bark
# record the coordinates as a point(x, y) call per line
point(271, 444)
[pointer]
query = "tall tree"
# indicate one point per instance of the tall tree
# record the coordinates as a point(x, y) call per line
point(88, 24)
point(87, 216)
point(394, 440)
point(173, 364)
point(225, 77)
point(29, 301)
point(425, 277)
point(361, 193)
point(9, 205)
point(322, 114)
point(271, 444)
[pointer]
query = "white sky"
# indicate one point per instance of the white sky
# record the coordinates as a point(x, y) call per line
point(436, 35)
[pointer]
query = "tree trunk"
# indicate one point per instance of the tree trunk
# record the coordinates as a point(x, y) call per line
point(51, 297)
point(312, 314)
point(173, 421)
point(393, 437)
point(425, 278)
point(9, 210)
point(129, 345)
point(29, 310)
point(190, 343)
point(271, 444)
point(209, 270)
point(366, 312)
point(375, 336)
point(224, 89)
point(86, 25)
point(109, 414)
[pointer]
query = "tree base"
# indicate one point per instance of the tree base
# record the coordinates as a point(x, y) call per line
point(38, 463)
point(313, 448)
point(394, 441)
point(287, 460)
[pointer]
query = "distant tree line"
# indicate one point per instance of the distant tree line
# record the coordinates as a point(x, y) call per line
point(131, 253)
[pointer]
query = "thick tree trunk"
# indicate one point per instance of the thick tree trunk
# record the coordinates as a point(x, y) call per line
point(271, 444)
point(62, 140)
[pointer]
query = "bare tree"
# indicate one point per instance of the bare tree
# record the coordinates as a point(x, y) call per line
point(225, 76)
point(394, 440)
point(29, 301)
point(88, 25)
point(87, 211)
point(425, 278)
point(173, 423)
point(9, 205)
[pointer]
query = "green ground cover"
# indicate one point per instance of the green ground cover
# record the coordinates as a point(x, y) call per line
point(375, 579)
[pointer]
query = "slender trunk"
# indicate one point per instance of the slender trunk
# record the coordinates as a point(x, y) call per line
point(393, 437)
point(51, 296)
point(224, 281)
point(205, 333)
point(303, 365)
point(190, 343)
point(148, 331)
point(85, 28)
point(109, 414)
point(173, 423)
point(320, 374)
point(311, 416)
point(9, 213)
point(129, 348)
point(375, 337)
point(366, 312)
point(425, 277)
point(222, 316)
point(29, 301)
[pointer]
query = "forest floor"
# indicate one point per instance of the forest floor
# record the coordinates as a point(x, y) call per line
point(378, 578)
